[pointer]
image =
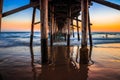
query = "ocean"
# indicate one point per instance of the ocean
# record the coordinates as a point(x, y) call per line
point(9, 39)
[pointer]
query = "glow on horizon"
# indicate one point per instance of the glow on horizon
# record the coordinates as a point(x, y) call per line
point(104, 19)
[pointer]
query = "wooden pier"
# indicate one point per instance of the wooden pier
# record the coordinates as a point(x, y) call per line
point(60, 13)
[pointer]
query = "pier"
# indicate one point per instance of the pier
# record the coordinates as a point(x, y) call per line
point(58, 15)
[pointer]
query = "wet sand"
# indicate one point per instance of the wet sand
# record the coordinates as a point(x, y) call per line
point(24, 63)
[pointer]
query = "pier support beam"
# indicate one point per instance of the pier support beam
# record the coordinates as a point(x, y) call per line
point(1, 5)
point(84, 9)
point(89, 29)
point(54, 29)
point(32, 26)
point(72, 27)
point(44, 30)
point(69, 23)
point(78, 28)
point(52, 26)
point(84, 50)
point(73, 32)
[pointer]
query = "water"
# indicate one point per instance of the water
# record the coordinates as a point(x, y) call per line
point(18, 39)
point(23, 39)
point(18, 61)
point(24, 63)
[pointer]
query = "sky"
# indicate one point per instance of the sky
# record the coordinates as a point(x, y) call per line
point(104, 19)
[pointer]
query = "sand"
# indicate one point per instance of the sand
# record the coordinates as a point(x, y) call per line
point(24, 63)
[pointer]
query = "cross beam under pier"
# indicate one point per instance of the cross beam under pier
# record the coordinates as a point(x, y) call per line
point(107, 3)
point(19, 9)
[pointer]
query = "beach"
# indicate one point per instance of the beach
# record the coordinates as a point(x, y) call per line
point(24, 63)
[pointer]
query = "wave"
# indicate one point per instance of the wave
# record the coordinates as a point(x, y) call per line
point(9, 39)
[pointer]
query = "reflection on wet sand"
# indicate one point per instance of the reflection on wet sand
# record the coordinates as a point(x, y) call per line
point(63, 64)
point(32, 62)
point(34, 67)
point(91, 62)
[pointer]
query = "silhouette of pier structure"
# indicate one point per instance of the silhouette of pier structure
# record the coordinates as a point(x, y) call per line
point(58, 15)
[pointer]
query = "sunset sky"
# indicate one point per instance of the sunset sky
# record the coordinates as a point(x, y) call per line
point(104, 19)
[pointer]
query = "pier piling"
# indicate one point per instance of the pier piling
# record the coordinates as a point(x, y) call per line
point(89, 29)
point(52, 26)
point(72, 27)
point(32, 26)
point(44, 32)
point(77, 29)
point(69, 23)
point(84, 50)
point(84, 9)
